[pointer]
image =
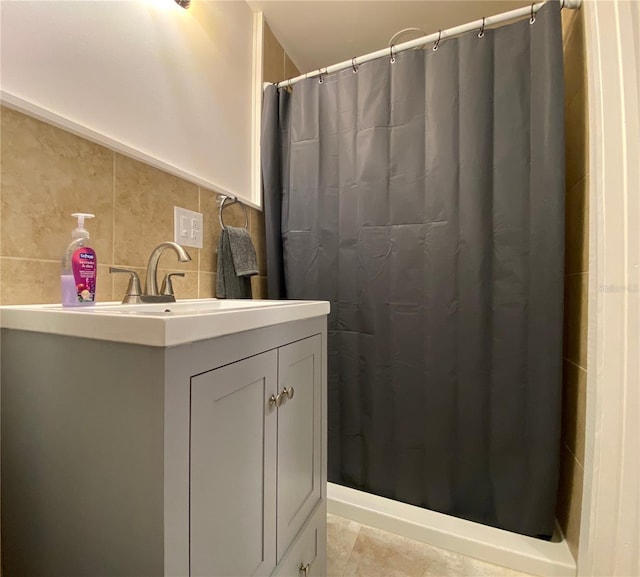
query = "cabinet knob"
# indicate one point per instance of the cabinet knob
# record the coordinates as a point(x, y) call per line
point(275, 400)
point(304, 569)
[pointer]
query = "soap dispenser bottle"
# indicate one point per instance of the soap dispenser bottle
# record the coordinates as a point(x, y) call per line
point(79, 267)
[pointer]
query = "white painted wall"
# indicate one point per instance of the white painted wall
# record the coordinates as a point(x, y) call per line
point(170, 86)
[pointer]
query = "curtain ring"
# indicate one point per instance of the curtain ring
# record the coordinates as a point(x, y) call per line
point(533, 15)
point(481, 33)
point(354, 65)
point(320, 76)
point(437, 42)
point(392, 53)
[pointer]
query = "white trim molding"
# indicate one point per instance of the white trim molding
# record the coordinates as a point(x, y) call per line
point(256, 110)
point(610, 524)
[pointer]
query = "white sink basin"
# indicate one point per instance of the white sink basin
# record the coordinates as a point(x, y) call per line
point(183, 308)
point(164, 324)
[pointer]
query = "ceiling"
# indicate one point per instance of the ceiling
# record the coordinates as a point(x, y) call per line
point(317, 33)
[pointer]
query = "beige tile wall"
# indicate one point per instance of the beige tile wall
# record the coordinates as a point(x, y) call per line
point(576, 278)
point(47, 173)
point(277, 65)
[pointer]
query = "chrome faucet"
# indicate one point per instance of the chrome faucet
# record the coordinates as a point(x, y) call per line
point(151, 282)
point(151, 294)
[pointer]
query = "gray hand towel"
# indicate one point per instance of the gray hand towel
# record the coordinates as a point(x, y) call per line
point(243, 252)
point(229, 283)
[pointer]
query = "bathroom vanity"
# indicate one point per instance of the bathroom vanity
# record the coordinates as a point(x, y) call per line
point(179, 439)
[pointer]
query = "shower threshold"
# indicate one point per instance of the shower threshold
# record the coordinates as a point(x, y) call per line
point(518, 552)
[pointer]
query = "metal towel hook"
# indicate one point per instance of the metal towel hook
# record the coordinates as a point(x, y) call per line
point(354, 65)
point(392, 53)
point(533, 15)
point(481, 33)
point(233, 201)
point(436, 44)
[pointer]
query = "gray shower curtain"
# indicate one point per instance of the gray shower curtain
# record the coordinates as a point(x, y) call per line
point(425, 200)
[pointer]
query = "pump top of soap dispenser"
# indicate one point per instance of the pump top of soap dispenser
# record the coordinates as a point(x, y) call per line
point(80, 231)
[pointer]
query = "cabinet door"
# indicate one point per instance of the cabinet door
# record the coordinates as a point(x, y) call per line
point(299, 436)
point(232, 478)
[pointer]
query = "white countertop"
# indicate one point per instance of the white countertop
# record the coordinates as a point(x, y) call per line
point(158, 325)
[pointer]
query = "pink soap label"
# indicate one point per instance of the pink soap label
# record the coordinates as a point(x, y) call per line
point(84, 266)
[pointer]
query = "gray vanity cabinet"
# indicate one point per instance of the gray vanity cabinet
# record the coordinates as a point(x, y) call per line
point(205, 458)
point(255, 461)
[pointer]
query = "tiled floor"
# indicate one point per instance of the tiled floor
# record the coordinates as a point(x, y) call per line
point(355, 550)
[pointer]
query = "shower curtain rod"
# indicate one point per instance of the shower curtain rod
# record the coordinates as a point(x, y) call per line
point(436, 37)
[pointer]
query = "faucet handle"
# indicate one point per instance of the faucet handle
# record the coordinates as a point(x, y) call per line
point(167, 285)
point(133, 289)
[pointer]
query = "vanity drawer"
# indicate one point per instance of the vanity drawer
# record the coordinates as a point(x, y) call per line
point(308, 549)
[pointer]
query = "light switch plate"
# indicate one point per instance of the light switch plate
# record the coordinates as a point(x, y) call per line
point(187, 227)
